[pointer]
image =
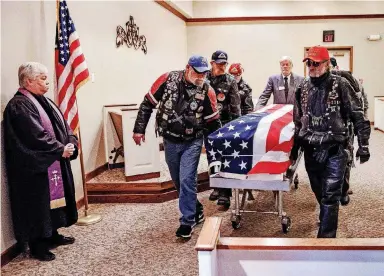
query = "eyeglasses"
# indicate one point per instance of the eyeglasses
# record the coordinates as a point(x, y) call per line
point(314, 63)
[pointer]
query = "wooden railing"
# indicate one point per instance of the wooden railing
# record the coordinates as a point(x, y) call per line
point(290, 256)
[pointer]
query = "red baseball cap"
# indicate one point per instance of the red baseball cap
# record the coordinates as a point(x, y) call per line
point(236, 69)
point(317, 53)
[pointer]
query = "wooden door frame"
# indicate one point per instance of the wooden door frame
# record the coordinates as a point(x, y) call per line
point(333, 48)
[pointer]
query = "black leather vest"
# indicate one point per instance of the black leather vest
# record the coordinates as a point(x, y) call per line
point(222, 84)
point(180, 113)
point(328, 126)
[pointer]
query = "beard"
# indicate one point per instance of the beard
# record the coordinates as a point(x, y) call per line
point(218, 71)
point(315, 73)
point(195, 81)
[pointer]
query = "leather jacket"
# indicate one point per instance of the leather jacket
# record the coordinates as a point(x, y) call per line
point(185, 111)
point(245, 92)
point(357, 87)
point(324, 106)
point(227, 94)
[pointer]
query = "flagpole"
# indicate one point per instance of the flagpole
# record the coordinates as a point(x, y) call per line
point(92, 218)
point(86, 219)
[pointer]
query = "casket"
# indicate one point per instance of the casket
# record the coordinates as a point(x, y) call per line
point(256, 145)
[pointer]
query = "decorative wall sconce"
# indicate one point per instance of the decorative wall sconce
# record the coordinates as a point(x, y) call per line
point(131, 36)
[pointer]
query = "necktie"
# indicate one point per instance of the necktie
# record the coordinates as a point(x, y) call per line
point(286, 88)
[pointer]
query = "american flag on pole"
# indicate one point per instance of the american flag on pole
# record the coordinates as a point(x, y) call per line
point(70, 67)
point(257, 143)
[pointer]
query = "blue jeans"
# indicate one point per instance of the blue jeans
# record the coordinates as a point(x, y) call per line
point(182, 160)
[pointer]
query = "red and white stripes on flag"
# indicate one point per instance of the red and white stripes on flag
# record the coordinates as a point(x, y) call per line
point(273, 140)
point(70, 67)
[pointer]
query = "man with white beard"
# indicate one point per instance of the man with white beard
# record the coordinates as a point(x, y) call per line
point(187, 111)
point(324, 105)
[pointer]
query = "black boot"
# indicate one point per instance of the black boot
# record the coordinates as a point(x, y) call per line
point(214, 195)
point(250, 195)
point(344, 200)
point(224, 197)
point(329, 220)
point(57, 240)
point(39, 249)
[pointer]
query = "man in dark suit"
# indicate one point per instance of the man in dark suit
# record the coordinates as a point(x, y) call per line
point(282, 86)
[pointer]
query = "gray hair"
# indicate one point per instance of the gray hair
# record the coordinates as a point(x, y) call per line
point(30, 70)
point(284, 58)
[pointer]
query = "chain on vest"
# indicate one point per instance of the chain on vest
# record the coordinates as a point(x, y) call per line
point(180, 114)
point(333, 109)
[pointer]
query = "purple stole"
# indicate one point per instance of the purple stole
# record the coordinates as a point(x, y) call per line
point(56, 187)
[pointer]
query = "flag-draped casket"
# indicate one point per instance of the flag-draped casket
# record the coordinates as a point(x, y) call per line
point(258, 143)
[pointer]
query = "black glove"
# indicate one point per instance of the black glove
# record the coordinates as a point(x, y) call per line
point(290, 172)
point(363, 154)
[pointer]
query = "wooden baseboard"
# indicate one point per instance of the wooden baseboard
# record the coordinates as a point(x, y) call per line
point(378, 129)
point(142, 176)
point(114, 166)
point(10, 254)
point(14, 250)
point(96, 172)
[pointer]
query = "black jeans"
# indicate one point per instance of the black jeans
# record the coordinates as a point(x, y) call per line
point(326, 182)
point(347, 176)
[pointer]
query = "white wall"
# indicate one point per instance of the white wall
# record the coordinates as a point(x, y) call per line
point(284, 8)
point(122, 75)
point(259, 46)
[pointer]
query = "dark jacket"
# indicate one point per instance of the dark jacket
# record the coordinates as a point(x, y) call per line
point(29, 151)
point(185, 111)
point(227, 94)
point(245, 92)
point(323, 108)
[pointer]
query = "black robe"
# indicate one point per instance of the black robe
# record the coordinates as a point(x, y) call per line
point(29, 151)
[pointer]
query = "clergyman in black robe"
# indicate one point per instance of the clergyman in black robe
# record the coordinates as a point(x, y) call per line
point(31, 149)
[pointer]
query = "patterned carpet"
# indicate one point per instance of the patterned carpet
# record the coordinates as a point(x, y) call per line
point(139, 239)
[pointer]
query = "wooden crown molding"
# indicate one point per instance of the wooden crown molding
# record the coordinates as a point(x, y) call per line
point(167, 6)
point(284, 18)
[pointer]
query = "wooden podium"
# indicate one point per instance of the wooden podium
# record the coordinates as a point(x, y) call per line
point(140, 162)
point(134, 174)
